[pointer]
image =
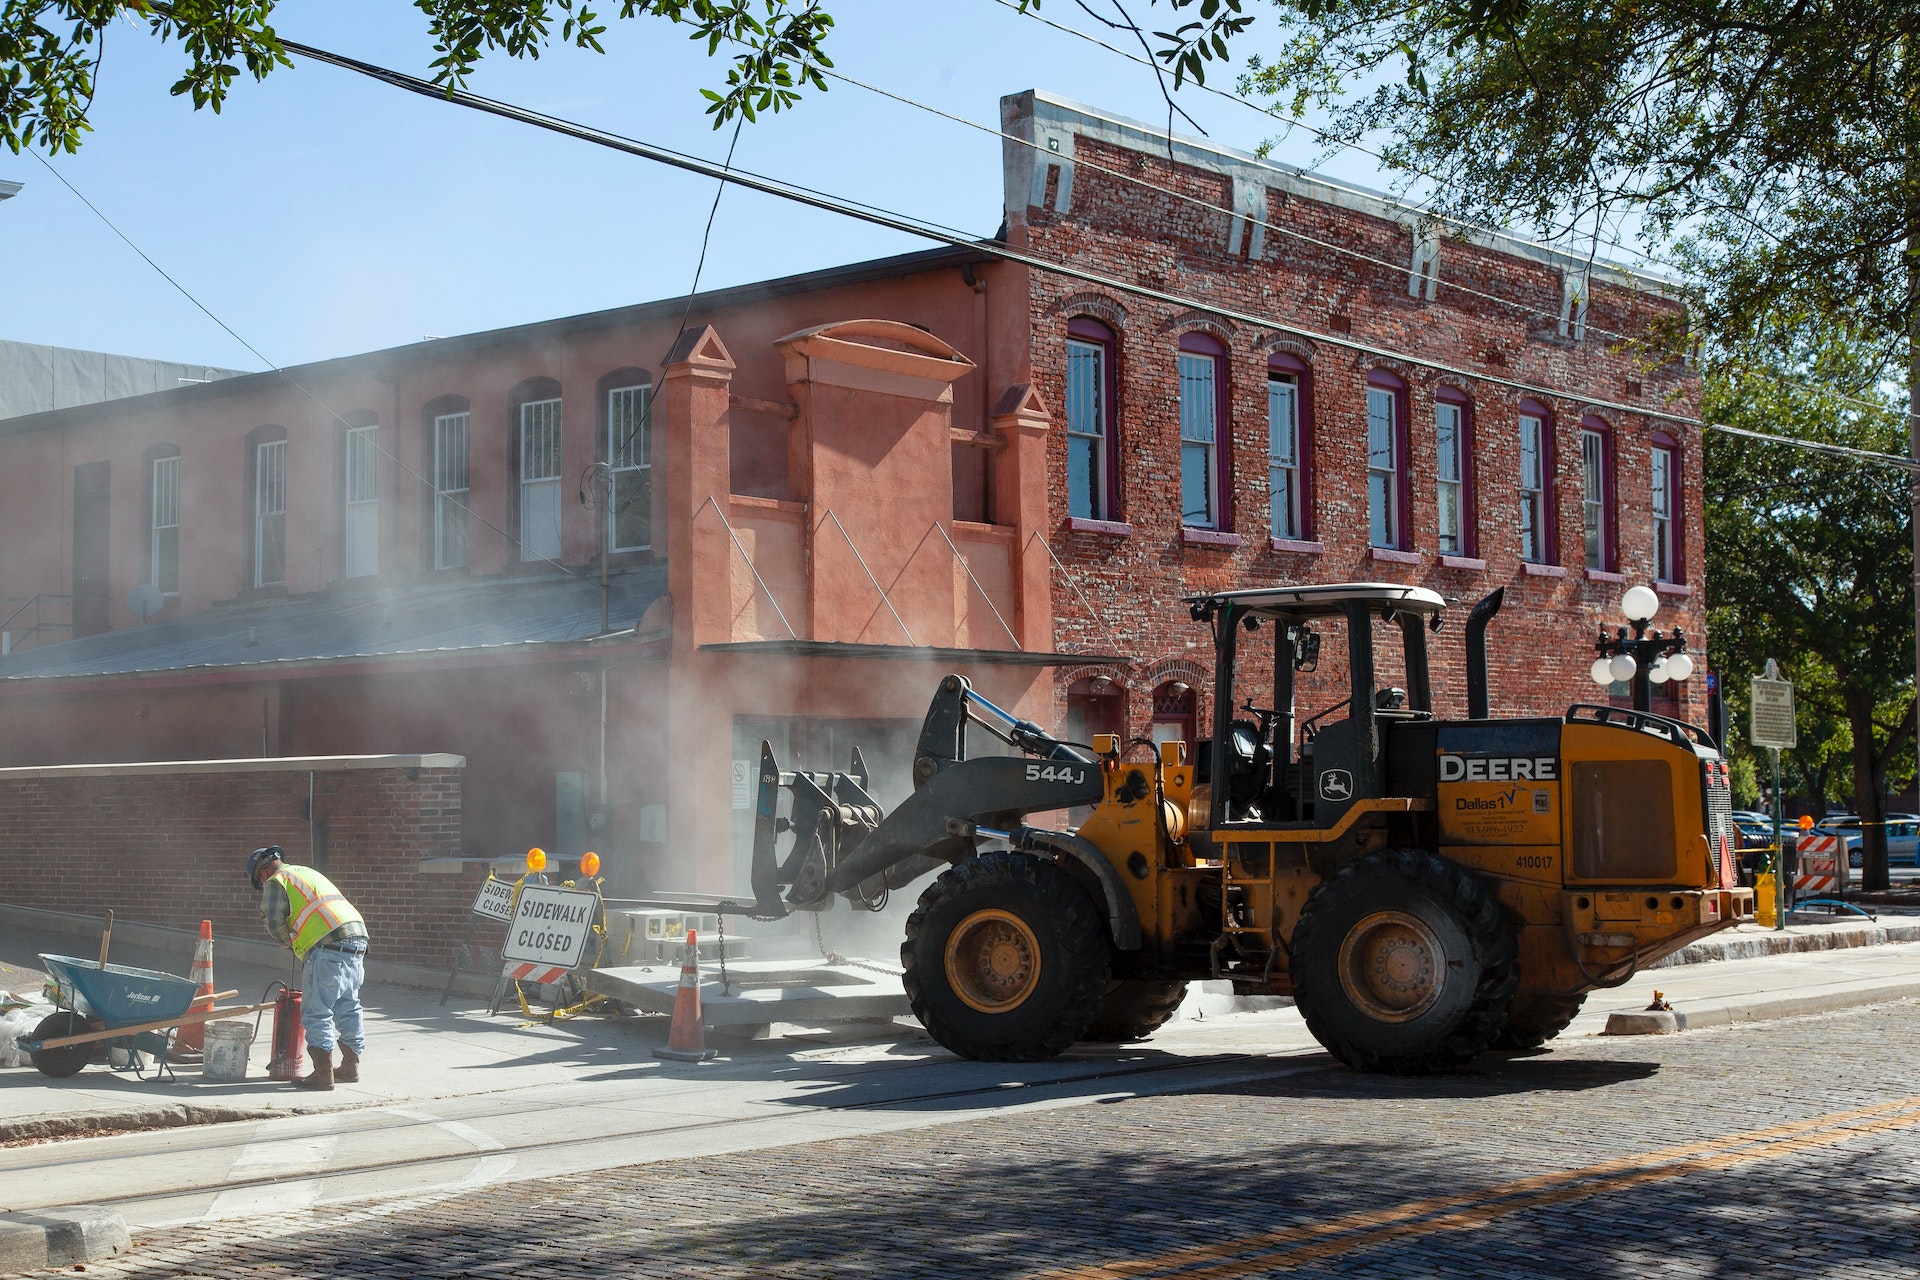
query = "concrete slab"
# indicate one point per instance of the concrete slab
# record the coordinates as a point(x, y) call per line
point(60, 1237)
point(760, 992)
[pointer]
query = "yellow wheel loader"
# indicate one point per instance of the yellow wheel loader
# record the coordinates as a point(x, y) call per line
point(1424, 889)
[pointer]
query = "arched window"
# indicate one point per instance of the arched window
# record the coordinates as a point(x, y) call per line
point(626, 447)
point(266, 489)
point(1454, 505)
point(1173, 714)
point(161, 466)
point(535, 467)
point(1289, 448)
point(1095, 704)
point(1669, 565)
point(360, 495)
point(1387, 496)
point(1093, 443)
point(447, 423)
point(1205, 441)
point(1596, 492)
point(1536, 483)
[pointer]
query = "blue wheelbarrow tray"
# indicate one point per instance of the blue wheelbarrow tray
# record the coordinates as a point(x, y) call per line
point(120, 995)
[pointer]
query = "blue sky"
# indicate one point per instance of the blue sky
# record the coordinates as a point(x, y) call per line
point(322, 214)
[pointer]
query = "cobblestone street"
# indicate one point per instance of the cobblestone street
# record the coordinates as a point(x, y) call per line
point(1786, 1150)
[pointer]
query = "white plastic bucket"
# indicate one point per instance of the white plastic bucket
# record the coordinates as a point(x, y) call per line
point(228, 1044)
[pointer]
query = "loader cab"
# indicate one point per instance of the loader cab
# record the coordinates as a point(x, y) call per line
point(1317, 745)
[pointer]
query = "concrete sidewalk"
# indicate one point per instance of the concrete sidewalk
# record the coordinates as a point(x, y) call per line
point(419, 1050)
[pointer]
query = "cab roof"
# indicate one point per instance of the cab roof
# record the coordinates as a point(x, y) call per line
point(1327, 600)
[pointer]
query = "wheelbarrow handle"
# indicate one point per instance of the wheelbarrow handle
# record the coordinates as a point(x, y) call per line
point(106, 936)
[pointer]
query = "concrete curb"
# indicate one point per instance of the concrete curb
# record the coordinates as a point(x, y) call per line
point(45, 1238)
point(266, 955)
point(1792, 940)
point(1756, 1009)
point(178, 1116)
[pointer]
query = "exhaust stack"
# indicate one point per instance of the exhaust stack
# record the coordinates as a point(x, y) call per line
point(1477, 652)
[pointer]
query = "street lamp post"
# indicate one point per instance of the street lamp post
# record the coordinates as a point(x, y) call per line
point(1648, 658)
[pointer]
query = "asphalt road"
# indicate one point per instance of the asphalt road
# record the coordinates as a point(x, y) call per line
point(1789, 1149)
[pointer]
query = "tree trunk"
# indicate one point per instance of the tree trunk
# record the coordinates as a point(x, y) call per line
point(1869, 775)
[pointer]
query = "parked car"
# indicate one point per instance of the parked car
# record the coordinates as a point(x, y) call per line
point(1903, 837)
point(1748, 815)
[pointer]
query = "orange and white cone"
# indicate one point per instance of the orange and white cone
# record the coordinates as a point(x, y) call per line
point(687, 1041)
point(192, 1037)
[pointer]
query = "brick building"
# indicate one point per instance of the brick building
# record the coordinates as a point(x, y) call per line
point(825, 491)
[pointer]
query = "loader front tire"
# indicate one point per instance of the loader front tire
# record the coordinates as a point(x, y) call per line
point(1405, 963)
point(1133, 1009)
point(1537, 1019)
point(1006, 958)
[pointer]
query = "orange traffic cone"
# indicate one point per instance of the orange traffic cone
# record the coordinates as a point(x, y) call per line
point(687, 1041)
point(192, 1037)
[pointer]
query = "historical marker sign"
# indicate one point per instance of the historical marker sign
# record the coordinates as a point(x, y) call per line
point(1772, 714)
point(550, 926)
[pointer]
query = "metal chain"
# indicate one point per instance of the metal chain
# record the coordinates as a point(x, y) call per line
point(834, 957)
point(726, 983)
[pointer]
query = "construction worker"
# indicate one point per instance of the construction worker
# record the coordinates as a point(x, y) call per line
point(304, 911)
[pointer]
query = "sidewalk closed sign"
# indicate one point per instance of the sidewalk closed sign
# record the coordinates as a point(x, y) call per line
point(1772, 714)
point(495, 901)
point(550, 926)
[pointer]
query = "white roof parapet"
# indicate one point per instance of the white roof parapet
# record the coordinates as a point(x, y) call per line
point(9, 188)
point(1052, 121)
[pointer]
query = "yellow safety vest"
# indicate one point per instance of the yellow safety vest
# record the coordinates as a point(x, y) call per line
point(314, 907)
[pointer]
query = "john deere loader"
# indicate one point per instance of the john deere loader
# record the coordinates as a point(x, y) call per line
point(1425, 889)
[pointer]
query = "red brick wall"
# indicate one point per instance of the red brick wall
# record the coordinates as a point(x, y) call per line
point(1540, 644)
point(168, 845)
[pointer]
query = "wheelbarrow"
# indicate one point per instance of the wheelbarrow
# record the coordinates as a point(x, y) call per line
point(135, 1010)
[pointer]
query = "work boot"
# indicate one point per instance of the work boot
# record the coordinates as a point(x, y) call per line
point(348, 1072)
point(321, 1077)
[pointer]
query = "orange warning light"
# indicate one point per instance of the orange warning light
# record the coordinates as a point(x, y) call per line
point(536, 859)
point(589, 864)
point(1806, 822)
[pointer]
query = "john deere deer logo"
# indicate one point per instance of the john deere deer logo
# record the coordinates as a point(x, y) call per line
point(1336, 784)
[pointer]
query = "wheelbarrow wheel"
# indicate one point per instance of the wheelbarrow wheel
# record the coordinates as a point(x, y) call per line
point(67, 1059)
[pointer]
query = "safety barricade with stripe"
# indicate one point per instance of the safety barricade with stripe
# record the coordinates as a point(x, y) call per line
point(1822, 865)
point(535, 973)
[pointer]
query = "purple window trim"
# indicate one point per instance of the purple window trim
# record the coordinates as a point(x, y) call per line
point(1197, 343)
point(1469, 481)
point(1297, 547)
point(1087, 329)
point(1112, 528)
point(1392, 556)
point(1302, 375)
point(1605, 575)
point(1463, 562)
point(1549, 482)
point(1675, 488)
point(1673, 588)
point(1403, 479)
point(1609, 495)
point(1543, 570)
point(1208, 537)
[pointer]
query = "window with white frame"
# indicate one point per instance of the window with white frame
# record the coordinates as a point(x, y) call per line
point(1383, 468)
point(1449, 500)
point(1283, 456)
point(629, 457)
point(270, 514)
point(1596, 498)
point(1666, 546)
point(540, 480)
point(165, 566)
point(1533, 488)
point(363, 502)
point(1199, 430)
point(450, 489)
point(1087, 411)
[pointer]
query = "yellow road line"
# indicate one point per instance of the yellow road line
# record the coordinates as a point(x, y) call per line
point(1466, 1210)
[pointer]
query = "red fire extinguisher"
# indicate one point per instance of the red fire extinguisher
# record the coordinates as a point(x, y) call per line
point(289, 1044)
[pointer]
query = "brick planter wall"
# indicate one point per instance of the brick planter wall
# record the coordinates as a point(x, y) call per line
point(167, 843)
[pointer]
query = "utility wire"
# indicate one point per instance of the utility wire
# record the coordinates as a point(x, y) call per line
point(288, 378)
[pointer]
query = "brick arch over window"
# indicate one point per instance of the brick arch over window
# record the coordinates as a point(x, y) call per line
point(1096, 703)
point(533, 468)
point(1108, 310)
point(160, 467)
point(446, 442)
point(1221, 329)
point(1281, 344)
point(624, 442)
point(263, 534)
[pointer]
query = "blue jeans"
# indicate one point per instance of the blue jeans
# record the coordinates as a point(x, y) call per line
point(330, 1006)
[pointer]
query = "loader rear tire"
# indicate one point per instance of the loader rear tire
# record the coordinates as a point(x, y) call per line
point(1405, 963)
point(1133, 1009)
point(1537, 1019)
point(1006, 958)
